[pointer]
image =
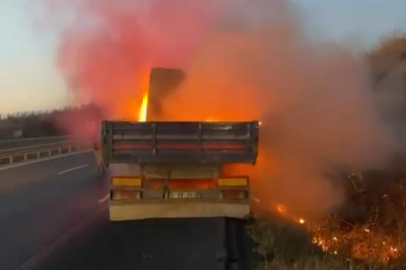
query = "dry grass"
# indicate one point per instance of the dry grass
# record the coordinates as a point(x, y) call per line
point(311, 263)
point(337, 243)
point(281, 245)
point(372, 239)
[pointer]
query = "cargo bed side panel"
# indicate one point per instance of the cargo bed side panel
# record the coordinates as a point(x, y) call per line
point(180, 142)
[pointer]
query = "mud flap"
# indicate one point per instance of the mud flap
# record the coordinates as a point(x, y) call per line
point(101, 167)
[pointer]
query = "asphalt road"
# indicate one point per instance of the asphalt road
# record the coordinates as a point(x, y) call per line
point(41, 201)
point(53, 215)
point(150, 244)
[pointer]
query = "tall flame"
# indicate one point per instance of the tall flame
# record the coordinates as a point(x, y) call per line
point(142, 114)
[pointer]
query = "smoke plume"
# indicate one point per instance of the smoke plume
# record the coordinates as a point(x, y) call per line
point(244, 60)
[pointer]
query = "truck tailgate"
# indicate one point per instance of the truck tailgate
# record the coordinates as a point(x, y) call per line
point(180, 142)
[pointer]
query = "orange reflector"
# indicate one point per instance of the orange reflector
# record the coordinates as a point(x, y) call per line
point(120, 195)
point(233, 194)
point(233, 182)
point(126, 181)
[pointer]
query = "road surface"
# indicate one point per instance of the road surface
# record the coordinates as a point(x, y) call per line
point(53, 215)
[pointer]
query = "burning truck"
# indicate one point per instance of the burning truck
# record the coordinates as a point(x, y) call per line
point(168, 169)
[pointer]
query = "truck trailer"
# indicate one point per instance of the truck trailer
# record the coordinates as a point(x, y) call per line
point(175, 169)
point(179, 168)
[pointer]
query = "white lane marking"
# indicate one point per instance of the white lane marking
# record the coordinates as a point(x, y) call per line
point(73, 169)
point(104, 199)
point(7, 167)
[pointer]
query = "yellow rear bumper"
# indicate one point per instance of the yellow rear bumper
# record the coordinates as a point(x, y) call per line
point(120, 211)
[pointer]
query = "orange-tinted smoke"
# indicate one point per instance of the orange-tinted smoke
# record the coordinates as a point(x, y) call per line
point(313, 99)
point(107, 52)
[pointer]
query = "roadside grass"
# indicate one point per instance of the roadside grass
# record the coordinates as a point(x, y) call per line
point(280, 244)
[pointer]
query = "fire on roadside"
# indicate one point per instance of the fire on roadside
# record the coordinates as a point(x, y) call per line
point(360, 242)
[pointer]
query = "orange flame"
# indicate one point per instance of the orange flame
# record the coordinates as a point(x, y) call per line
point(142, 114)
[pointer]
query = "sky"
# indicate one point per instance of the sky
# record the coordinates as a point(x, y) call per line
point(29, 80)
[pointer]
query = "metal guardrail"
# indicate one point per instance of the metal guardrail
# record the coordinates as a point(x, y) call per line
point(18, 155)
point(20, 143)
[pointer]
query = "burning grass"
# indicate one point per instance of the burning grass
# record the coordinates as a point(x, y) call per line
point(371, 237)
point(281, 245)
